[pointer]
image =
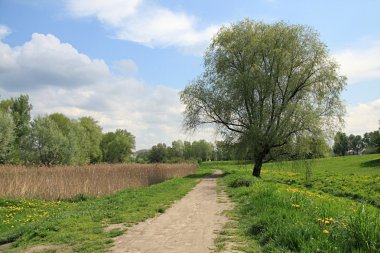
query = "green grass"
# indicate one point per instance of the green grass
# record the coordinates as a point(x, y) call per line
point(334, 210)
point(80, 225)
point(355, 177)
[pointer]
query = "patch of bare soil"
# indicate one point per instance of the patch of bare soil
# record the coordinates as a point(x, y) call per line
point(50, 248)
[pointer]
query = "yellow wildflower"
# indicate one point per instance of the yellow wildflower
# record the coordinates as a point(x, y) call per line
point(325, 231)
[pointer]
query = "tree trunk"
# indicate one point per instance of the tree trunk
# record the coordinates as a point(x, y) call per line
point(257, 168)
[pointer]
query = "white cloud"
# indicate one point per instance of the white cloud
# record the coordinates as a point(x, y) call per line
point(362, 118)
point(360, 64)
point(4, 31)
point(111, 12)
point(147, 24)
point(58, 78)
point(45, 61)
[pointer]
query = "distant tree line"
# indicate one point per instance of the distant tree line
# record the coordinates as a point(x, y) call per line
point(179, 151)
point(351, 144)
point(56, 139)
point(301, 147)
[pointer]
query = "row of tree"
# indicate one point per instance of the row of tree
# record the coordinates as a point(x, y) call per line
point(56, 139)
point(356, 144)
point(179, 151)
point(301, 147)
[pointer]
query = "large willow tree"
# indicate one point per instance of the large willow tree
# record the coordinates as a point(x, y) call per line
point(264, 85)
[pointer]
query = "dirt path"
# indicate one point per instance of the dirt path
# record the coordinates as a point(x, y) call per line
point(188, 226)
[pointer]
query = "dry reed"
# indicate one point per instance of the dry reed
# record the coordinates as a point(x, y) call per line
point(63, 182)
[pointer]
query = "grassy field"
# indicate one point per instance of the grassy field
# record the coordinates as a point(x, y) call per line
point(79, 224)
point(64, 182)
point(327, 205)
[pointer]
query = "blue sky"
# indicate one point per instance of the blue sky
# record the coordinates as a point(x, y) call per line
point(124, 61)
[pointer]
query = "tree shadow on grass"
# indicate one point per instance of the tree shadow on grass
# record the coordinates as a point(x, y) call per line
point(199, 175)
point(373, 163)
point(207, 175)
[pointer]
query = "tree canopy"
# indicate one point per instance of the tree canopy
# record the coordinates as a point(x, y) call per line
point(7, 136)
point(264, 85)
point(117, 147)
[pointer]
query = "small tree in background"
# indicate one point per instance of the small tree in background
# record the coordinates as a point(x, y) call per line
point(46, 144)
point(19, 108)
point(340, 144)
point(92, 136)
point(7, 137)
point(355, 143)
point(117, 147)
point(158, 153)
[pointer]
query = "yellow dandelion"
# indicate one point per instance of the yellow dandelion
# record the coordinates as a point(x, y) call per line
point(325, 231)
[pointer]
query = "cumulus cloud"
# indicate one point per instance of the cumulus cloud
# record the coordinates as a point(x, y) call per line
point(147, 23)
point(58, 78)
point(363, 117)
point(360, 64)
point(46, 61)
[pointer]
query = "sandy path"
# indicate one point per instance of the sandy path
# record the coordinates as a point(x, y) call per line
point(188, 226)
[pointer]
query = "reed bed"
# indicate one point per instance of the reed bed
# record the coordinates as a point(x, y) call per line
point(64, 182)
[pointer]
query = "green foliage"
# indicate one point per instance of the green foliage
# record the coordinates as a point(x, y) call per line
point(340, 144)
point(223, 151)
point(56, 139)
point(179, 151)
point(202, 150)
point(92, 136)
point(355, 143)
point(46, 143)
point(240, 181)
point(264, 84)
point(371, 142)
point(158, 153)
point(7, 137)
point(20, 110)
point(73, 151)
point(117, 147)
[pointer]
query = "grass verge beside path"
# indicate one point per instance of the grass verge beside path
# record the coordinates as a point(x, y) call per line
point(80, 225)
point(294, 218)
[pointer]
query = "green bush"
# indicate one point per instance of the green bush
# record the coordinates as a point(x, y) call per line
point(241, 181)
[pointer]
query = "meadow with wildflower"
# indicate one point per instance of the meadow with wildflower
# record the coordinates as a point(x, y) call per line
point(282, 212)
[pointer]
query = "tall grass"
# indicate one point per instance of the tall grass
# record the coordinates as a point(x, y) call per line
point(63, 182)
